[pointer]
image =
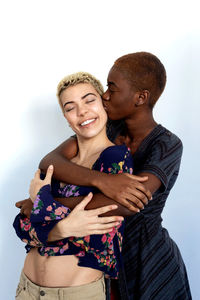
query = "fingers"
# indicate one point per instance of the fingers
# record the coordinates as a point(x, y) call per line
point(139, 186)
point(143, 191)
point(137, 202)
point(26, 212)
point(101, 231)
point(103, 228)
point(49, 175)
point(110, 220)
point(26, 207)
point(37, 174)
point(102, 210)
point(19, 203)
point(108, 226)
point(85, 201)
point(131, 206)
point(138, 197)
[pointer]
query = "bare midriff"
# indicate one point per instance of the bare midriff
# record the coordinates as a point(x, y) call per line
point(57, 271)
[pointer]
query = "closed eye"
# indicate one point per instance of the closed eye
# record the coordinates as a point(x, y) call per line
point(69, 109)
point(109, 88)
point(89, 101)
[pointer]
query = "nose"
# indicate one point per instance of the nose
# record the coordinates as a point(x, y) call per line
point(106, 95)
point(82, 110)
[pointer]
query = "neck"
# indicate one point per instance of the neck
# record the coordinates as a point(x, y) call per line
point(140, 125)
point(90, 148)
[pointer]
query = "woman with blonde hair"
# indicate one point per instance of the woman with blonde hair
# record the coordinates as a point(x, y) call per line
point(74, 267)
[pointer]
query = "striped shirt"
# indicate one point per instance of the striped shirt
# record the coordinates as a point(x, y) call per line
point(153, 268)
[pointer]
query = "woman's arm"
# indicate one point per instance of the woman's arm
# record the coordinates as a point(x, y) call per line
point(113, 160)
point(81, 222)
point(130, 191)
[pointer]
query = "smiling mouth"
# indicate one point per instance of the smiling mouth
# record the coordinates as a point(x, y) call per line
point(87, 122)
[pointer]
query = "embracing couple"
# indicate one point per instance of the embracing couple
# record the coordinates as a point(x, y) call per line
point(91, 223)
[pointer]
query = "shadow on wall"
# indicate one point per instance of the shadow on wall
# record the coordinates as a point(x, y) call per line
point(42, 129)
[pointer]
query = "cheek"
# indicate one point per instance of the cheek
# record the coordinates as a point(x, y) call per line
point(115, 100)
point(70, 120)
point(104, 117)
point(102, 113)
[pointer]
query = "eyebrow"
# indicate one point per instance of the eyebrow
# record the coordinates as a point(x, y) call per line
point(83, 97)
point(88, 95)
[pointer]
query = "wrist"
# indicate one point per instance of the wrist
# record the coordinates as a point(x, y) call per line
point(56, 233)
point(62, 229)
point(99, 179)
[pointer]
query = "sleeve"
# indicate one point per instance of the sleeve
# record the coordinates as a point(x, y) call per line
point(46, 213)
point(26, 232)
point(115, 160)
point(163, 158)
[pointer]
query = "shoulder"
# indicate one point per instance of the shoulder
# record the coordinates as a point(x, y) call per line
point(113, 156)
point(114, 160)
point(161, 149)
point(163, 141)
point(167, 142)
point(117, 151)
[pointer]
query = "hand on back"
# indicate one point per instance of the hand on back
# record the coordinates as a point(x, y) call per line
point(81, 222)
point(127, 190)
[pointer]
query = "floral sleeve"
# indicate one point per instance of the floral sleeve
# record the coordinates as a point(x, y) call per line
point(115, 160)
point(102, 252)
point(45, 214)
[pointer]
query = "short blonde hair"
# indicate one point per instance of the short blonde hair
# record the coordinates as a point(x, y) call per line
point(76, 78)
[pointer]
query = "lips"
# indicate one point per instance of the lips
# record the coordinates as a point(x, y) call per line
point(87, 122)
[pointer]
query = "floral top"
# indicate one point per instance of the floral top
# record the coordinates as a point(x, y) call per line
point(102, 252)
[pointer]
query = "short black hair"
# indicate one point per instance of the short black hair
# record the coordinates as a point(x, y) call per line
point(144, 71)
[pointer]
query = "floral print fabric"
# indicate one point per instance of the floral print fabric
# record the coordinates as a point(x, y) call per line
point(101, 252)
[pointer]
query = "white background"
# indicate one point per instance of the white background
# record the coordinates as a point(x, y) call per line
point(42, 41)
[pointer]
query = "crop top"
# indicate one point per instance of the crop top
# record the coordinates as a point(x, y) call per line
point(102, 252)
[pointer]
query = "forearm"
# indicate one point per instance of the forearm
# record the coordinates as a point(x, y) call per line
point(98, 200)
point(93, 220)
point(66, 171)
point(153, 183)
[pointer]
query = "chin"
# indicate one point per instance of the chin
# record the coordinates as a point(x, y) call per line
point(88, 135)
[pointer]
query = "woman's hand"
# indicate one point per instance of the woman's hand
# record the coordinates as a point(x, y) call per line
point(25, 207)
point(81, 222)
point(37, 183)
point(126, 189)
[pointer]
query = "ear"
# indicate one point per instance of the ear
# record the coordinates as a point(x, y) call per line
point(142, 97)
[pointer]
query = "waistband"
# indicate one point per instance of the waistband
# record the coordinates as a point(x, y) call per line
point(89, 289)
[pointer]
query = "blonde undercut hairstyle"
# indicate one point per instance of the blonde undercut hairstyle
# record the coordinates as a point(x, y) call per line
point(76, 78)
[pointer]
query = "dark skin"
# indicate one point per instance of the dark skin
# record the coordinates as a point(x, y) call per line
point(120, 101)
point(61, 158)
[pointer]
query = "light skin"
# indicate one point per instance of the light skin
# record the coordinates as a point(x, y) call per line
point(52, 271)
point(121, 100)
point(129, 187)
point(140, 123)
point(80, 104)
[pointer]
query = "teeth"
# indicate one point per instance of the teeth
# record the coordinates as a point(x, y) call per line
point(87, 122)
